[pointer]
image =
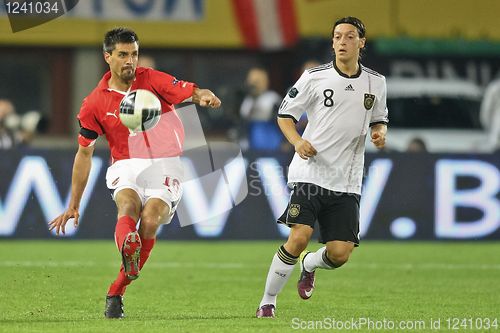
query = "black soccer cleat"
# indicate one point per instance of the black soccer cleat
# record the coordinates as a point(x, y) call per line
point(114, 307)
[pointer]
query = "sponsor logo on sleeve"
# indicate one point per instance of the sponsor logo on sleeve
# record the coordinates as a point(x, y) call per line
point(293, 92)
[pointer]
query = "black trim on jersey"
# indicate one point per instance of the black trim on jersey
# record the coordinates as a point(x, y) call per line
point(88, 134)
point(355, 76)
point(288, 116)
point(371, 71)
point(378, 122)
point(321, 65)
point(320, 68)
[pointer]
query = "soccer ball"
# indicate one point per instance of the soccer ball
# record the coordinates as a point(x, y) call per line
point(140, 110)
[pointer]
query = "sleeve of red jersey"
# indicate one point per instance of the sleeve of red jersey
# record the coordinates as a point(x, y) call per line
point(174, 91)
point(89, 127)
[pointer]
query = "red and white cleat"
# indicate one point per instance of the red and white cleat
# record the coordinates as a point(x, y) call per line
point(131, 250)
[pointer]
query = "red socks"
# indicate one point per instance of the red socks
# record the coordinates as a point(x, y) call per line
point(147, 246)
point(124, 225)
point(120, 284)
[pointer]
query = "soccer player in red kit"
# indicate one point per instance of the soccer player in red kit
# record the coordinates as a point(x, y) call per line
point(151, 205)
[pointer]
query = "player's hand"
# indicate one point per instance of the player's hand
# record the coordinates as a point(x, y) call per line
point(208, 99)
point(305, 149)
point(59, 223)
point(378, 139)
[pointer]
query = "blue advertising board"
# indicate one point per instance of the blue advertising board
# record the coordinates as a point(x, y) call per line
point(405, 197)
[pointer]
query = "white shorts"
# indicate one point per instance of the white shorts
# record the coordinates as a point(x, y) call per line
point(159, 178)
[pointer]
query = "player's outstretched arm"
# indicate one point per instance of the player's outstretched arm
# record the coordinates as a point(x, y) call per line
point(379, 131)
point(206, 98)
point(303, 147)
point(81, 170)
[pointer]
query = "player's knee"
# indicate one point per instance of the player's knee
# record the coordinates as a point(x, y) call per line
point(338, 257)
point(148, 226)
point(151, 218)
point(296, 244)
point(129, 208)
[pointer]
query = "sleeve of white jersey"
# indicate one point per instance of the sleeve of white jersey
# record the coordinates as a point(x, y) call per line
point(380, 114)
point(296, 100)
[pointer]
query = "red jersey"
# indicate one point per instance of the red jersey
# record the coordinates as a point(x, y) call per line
point(99, 115)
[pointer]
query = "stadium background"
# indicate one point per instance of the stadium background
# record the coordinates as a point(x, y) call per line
point(417, 207)
point(51, 67)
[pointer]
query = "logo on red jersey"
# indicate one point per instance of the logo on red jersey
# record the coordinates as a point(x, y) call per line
point(113, 114)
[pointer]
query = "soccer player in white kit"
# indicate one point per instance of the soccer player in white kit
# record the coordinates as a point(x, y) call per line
point(344, 101)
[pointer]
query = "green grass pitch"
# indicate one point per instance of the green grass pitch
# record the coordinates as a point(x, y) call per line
point(59, 286)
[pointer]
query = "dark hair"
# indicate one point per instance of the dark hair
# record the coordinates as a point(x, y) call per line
point(118, 35)
point(352, 21)
point(418, 141)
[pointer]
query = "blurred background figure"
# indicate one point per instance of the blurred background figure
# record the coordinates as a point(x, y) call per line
point(416, 145)
point(8, 137)
point(146, 60)
point(29, 124)
point(258, 112)
point(16, 130)
point(490, 114)
point(308, 64)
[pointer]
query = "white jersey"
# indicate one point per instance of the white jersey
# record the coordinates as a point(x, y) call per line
point(340, 110)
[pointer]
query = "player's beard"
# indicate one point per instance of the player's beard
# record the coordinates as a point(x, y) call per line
point(128, 74)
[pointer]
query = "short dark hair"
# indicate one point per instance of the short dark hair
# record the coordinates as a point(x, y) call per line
point(352, 21)
point(118, 35)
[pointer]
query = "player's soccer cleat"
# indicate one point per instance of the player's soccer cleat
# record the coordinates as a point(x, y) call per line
point(265, 311)
point(305, 285)
point(131, 251)
point(114, 307)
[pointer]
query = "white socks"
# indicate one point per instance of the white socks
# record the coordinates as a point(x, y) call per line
point(279, 273)
point(317, 259)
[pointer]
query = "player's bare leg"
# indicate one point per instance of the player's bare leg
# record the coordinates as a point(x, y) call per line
point(298, 239)
point(331, 256)
point(338, 252)
point(153, 215)
point(281, 268)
